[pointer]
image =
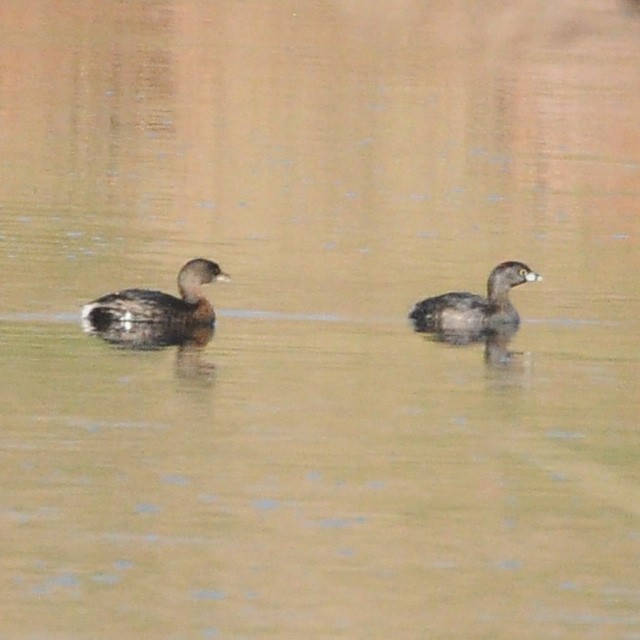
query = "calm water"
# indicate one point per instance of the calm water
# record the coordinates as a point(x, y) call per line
point(318, 470)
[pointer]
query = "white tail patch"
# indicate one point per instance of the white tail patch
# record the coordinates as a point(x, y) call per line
point(87, 309)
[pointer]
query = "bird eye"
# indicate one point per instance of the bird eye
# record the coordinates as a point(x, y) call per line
point(523, 273)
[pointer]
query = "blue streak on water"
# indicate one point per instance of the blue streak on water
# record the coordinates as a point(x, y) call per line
point(314, 476)
point(62, 581)
point(265, 504)
point(66, 317)
point(339, 523)
point(105, 578)
point(208, 498)
point(568, 586)
point(154, 538)
point(278, 315)
point(175, 479)
point(42, 317)
point(559, 434)
point(93, 426)
point(209, 594)
point(147, 507)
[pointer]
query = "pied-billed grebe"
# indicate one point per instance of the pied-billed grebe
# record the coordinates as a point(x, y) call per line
point(458, 312)
point(145, 306)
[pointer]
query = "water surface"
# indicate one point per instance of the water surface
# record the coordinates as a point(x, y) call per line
point(318, 470)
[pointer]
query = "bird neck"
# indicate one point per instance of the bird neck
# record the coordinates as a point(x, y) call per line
point(498, 294)
point(191, 294)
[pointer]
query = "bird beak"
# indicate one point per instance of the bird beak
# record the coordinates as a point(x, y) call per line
point(222, 277)
point(533, 277)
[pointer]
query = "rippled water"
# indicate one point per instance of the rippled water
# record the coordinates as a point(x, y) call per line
point(319, 470)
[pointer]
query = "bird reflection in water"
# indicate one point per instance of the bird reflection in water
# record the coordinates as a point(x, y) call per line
point(496, 342)
point(147, 336)
point(496, 347)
